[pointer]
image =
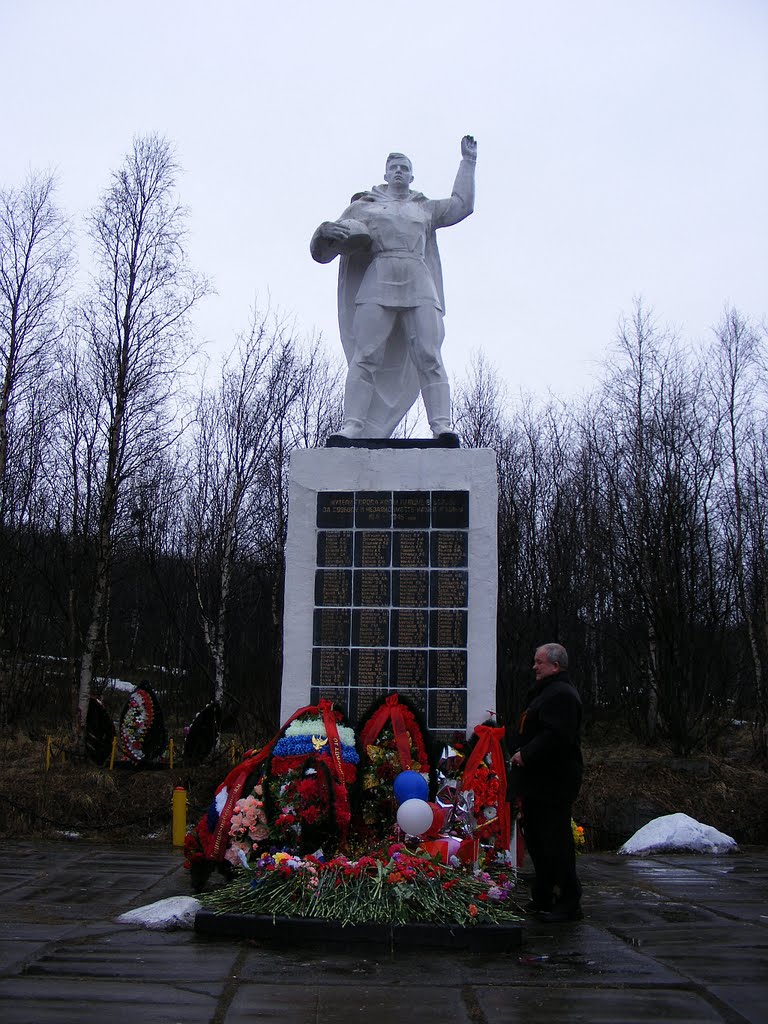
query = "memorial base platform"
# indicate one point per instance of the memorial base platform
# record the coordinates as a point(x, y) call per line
point(481, 938)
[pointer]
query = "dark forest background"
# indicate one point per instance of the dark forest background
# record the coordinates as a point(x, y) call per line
point(143, 492)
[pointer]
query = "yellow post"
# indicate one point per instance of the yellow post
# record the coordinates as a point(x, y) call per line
point(170, 753)
point(48, 754)
point(179, 815)
point(232, 752)
point(112, 754)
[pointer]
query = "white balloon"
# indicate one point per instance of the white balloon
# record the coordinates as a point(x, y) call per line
point(414, 816)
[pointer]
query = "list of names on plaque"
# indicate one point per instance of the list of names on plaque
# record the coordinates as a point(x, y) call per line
point(372, 587)
point(334, 547)
point(391, 601)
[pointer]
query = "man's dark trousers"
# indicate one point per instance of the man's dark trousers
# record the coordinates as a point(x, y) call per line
point(549, 838)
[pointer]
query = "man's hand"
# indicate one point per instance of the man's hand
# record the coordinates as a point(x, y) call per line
point(334, 232)
point(517, 760)
point(468, 148)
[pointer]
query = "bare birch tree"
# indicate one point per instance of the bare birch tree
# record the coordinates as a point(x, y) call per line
point(34, 266)
point(133, 336)
point(738, 376)
point(238, 424)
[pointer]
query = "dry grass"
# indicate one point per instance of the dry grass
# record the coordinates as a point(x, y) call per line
point(624, 787)
point(122, 805)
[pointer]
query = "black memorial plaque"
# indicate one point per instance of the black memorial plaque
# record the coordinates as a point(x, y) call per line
point(373, 549)
point(418, 698)
point(447, 709)
point(407, 669)
point(370, 627)
point(335, 509)
point(410, 588)
point(391, 602)
point(410, 510)
point(372, 588)
point(373, 509)
point(449, 588)
point(334, 547)
point(449, 549)
point(409, 628)
point(450, 510)
point(362, 699)
point(331, 627)
point(330, 666)
point(447, 669)
point(369, 667)
point(338, 694)
point(333, 587)
point(410, 549)
point(447, 628)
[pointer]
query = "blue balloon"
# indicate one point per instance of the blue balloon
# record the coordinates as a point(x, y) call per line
point(410, 786)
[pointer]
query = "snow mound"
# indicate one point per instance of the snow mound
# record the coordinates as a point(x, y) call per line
point(175, 912)
point(677, 832)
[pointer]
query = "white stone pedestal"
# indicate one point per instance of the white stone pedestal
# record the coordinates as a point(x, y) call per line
point(391, 582)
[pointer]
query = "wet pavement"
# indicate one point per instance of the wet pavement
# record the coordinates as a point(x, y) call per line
point(668, 938)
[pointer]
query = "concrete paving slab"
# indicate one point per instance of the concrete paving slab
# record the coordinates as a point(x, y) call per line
point(745, 1000)
point(20, 943)
point(143, 956)
point(617, 1006)
point(664, 939)
point(345, 1004)
point(582, 953)
point(34, 1000)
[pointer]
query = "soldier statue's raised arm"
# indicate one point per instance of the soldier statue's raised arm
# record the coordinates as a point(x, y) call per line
point(391, 303)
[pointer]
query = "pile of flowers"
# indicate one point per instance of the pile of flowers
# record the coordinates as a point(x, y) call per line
point(310, 795)
point(391, 886)
point(248, 827)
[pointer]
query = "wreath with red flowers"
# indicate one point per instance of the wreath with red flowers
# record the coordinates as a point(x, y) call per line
point(393, 739)
point(311, 779)
point(142, 730)
point(485, 777)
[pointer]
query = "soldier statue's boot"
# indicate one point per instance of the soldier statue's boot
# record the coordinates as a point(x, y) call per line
point(437, 402)
point(358, 395)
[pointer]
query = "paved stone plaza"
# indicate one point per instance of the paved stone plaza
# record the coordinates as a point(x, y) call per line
point(667, 938)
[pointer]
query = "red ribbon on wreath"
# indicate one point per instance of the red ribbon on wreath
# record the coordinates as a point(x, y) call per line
point(343, 812)
point(392, 710)
point(235, 783)
point(489, 740)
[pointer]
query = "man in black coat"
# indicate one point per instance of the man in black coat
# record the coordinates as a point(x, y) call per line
point(546, 772)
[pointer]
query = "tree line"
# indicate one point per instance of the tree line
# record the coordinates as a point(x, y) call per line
point(143, 502)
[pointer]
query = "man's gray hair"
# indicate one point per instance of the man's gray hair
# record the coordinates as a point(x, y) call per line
point(555, 653)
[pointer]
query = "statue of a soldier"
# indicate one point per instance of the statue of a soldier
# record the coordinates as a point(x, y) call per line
point(391, 303)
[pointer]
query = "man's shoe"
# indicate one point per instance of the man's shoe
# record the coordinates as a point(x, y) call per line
point(560, 915)
point(532, 907)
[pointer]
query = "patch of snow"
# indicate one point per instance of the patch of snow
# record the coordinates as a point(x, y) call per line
point(118, 684)
point(677, 832)
point(70, 835)
point(174, 912)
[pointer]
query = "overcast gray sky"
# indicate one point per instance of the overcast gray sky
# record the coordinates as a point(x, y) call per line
point(622, 150)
